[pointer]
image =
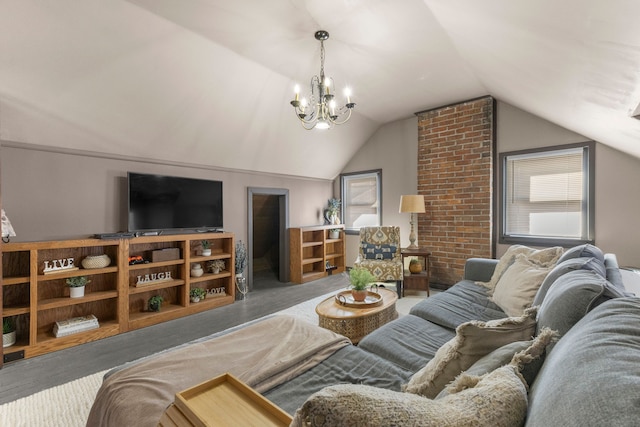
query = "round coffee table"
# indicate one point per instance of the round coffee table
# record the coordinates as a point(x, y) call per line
point(355, 322)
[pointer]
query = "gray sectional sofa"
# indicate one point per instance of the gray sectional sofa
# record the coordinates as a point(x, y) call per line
point(589, 376)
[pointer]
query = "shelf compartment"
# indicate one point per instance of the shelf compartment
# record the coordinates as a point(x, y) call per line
point(311, 260)
point(159, 285)
point(156, 264)
point(143, 319)
point(17, 280)
point(210, 276)
point(48, 304)
point(8, 311)
point(47, 342)
point(75, 273)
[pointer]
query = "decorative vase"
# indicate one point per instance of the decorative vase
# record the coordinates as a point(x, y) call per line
point(359, 296)
point(76, 292)
point(334, 234)
point(415, 267)
point(241, 284)
point(8, 339)
point(195, 299)
point(206, 252)
point(196, 270)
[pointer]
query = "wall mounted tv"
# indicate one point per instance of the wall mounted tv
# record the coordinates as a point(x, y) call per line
point(158, 203)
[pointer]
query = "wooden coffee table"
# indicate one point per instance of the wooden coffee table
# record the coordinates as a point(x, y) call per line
point(355, 322)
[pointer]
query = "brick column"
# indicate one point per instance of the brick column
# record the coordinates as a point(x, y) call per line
point(455, 175)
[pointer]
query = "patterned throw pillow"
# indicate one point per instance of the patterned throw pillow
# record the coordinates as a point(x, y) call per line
point(473, 340)
point(380, 252)
point(498, 399)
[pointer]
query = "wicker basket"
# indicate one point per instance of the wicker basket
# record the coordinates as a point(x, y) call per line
point(96, 261)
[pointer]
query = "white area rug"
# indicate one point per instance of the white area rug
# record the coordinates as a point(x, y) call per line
point(68, 405)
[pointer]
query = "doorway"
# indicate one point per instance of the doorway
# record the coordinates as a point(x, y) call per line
point(267, 242)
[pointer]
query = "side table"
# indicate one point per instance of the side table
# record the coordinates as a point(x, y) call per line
point(418, 281)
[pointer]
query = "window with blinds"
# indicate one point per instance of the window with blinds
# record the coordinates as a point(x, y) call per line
point(547, 195)
point(361, 199)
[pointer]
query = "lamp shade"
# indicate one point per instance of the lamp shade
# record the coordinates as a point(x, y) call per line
point(412, 203)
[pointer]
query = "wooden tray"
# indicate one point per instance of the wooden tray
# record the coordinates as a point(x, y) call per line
point(227, 401)
point(373, 299)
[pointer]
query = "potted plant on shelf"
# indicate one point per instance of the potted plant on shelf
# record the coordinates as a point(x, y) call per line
point(332, 213)
point(196, 294)
point(206, 248)
point(240, 265)
point(76, 286)
point(155, 303)
point(8, 332)
point(216, 265)
point(415, 266)
point(359, 279)
point(334, 233)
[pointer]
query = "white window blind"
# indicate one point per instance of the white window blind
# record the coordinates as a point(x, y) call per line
point(361, 199)
point(547, 195)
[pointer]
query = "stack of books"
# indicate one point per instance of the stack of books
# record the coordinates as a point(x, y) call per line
point(75, 325)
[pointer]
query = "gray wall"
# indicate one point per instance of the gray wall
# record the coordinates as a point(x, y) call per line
point(64, 194)
point(617, 177)
point(394, 149)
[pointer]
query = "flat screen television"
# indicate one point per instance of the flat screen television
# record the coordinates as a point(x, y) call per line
point(159, 202)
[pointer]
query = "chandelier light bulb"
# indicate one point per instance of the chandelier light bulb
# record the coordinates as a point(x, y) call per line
point(347, 94)
point(296, 89)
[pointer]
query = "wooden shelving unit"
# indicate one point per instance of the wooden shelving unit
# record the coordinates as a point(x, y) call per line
point(36, 300)
point(312, 250)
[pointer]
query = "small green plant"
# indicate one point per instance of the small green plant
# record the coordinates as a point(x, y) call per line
point(241, 257)
point(206, 244)
point(155, 302)
point(414, 261)
point(360, 278)
point(197, 293)
point(78, 281)
point(216, 264)
point(8, 325)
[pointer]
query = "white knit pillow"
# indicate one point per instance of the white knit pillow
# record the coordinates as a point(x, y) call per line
point(473, 340)
point(497, 399)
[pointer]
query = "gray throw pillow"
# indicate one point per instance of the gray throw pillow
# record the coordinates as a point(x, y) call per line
point(582, 251)
point(572, 264)
point(571, 297)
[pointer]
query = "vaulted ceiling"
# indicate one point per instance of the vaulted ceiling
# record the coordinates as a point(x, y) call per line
point(209, 81)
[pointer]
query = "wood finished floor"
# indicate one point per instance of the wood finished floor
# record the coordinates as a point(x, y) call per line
point(25, 377)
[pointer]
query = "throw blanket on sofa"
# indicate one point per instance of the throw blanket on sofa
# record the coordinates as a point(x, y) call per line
point(263, 355)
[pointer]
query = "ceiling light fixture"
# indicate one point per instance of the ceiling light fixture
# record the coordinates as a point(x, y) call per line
point(320, 111)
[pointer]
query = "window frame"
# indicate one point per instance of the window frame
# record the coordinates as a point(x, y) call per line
point(343, 178)
point(587, 212)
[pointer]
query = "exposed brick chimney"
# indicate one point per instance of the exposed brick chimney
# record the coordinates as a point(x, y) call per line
point(455, 175)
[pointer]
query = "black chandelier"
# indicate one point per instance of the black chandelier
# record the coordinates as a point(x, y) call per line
point(321, 110)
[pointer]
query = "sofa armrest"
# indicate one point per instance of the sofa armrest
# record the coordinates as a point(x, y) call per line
point(479, 269)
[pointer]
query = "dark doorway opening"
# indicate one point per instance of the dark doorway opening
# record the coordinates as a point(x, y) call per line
point(268, 245)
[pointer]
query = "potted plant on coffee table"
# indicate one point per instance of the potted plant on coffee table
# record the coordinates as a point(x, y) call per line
point(76, 286)
point(360, 279)
point(8, 332)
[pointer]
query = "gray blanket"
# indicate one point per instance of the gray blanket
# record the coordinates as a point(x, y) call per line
point(263, 355)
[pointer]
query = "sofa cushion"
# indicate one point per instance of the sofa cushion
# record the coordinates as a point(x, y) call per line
point(497, 399)
point(409, 342)
point(518, 286)
point(571, 297)
point(472, 341)
point(591, 378)
point(384, 251)
point(461, 303)
point(546, 257)
point(582, 251)
point(571, 264)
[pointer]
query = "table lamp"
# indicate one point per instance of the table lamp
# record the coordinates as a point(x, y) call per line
point(413, 204)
